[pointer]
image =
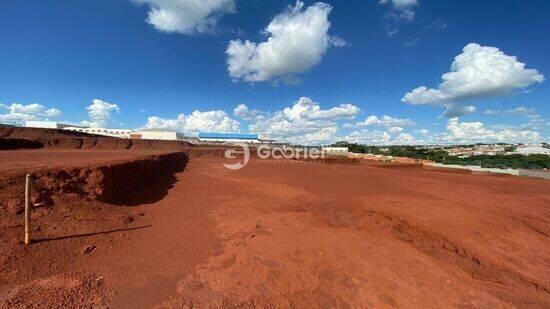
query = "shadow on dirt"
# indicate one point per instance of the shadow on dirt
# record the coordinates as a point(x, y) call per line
point(91, 234)
point(17, 143)
point(131, 185)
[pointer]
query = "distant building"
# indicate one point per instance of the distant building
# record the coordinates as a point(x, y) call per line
point(120, 133)
point(46, 124)
point(336, 151)
point(525, 150)
point(230, 138)
point(159, 134)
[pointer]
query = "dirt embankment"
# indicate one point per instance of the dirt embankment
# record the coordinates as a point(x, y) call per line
point(131, 182)
point(207, 152)
point(72, 215)
point(52, 138)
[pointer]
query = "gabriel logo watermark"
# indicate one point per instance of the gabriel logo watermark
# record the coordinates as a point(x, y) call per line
point(265, 152)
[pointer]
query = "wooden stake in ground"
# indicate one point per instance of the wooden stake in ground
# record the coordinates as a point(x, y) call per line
point(28, 183)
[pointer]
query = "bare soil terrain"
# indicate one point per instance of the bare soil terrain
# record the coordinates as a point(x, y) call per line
point(31, 160)
point(139, 229)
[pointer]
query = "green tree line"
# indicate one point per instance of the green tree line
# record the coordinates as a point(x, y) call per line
point(516, 161)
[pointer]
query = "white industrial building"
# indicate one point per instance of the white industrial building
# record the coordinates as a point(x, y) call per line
point(158, 134)
point(46, 124)
point(120, 133)
point(149, 134)
point(336, 151)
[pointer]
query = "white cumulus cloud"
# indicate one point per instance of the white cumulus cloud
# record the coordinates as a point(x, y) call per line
point(473, 132)
point(424, 131)
point(305, 108)
point(404, 139)
point(385, 130)
point(305, 122)
point(457, 110)
point(197, 121)
point(395, 130)
point(400, 4)
point(385, 121)
point(297, 41)
point(404, 16)
point(100, 113)
point(379, 137)
point(518, 111)
point(478, 72)
point(186, 16)
point(323, 136)
point(243, 112)
point(18, 112)
point(535, 120)
point(403, 13)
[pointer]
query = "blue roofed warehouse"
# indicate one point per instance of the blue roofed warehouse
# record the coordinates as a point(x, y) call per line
point(230, 137)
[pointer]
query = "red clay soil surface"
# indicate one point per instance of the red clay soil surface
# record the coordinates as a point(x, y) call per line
point(28, 160)
point(291, 234)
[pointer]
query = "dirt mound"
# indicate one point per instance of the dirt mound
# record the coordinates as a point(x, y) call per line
point(17, 143)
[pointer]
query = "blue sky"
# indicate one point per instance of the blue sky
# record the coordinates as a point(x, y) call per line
point(310, 72)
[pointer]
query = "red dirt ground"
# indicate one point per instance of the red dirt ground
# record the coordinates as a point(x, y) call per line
point(30, 160)
point(281, 234)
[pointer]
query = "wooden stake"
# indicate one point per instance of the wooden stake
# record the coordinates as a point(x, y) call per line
point(28, 181)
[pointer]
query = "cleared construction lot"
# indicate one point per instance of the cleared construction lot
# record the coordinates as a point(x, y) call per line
point(276, 233)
